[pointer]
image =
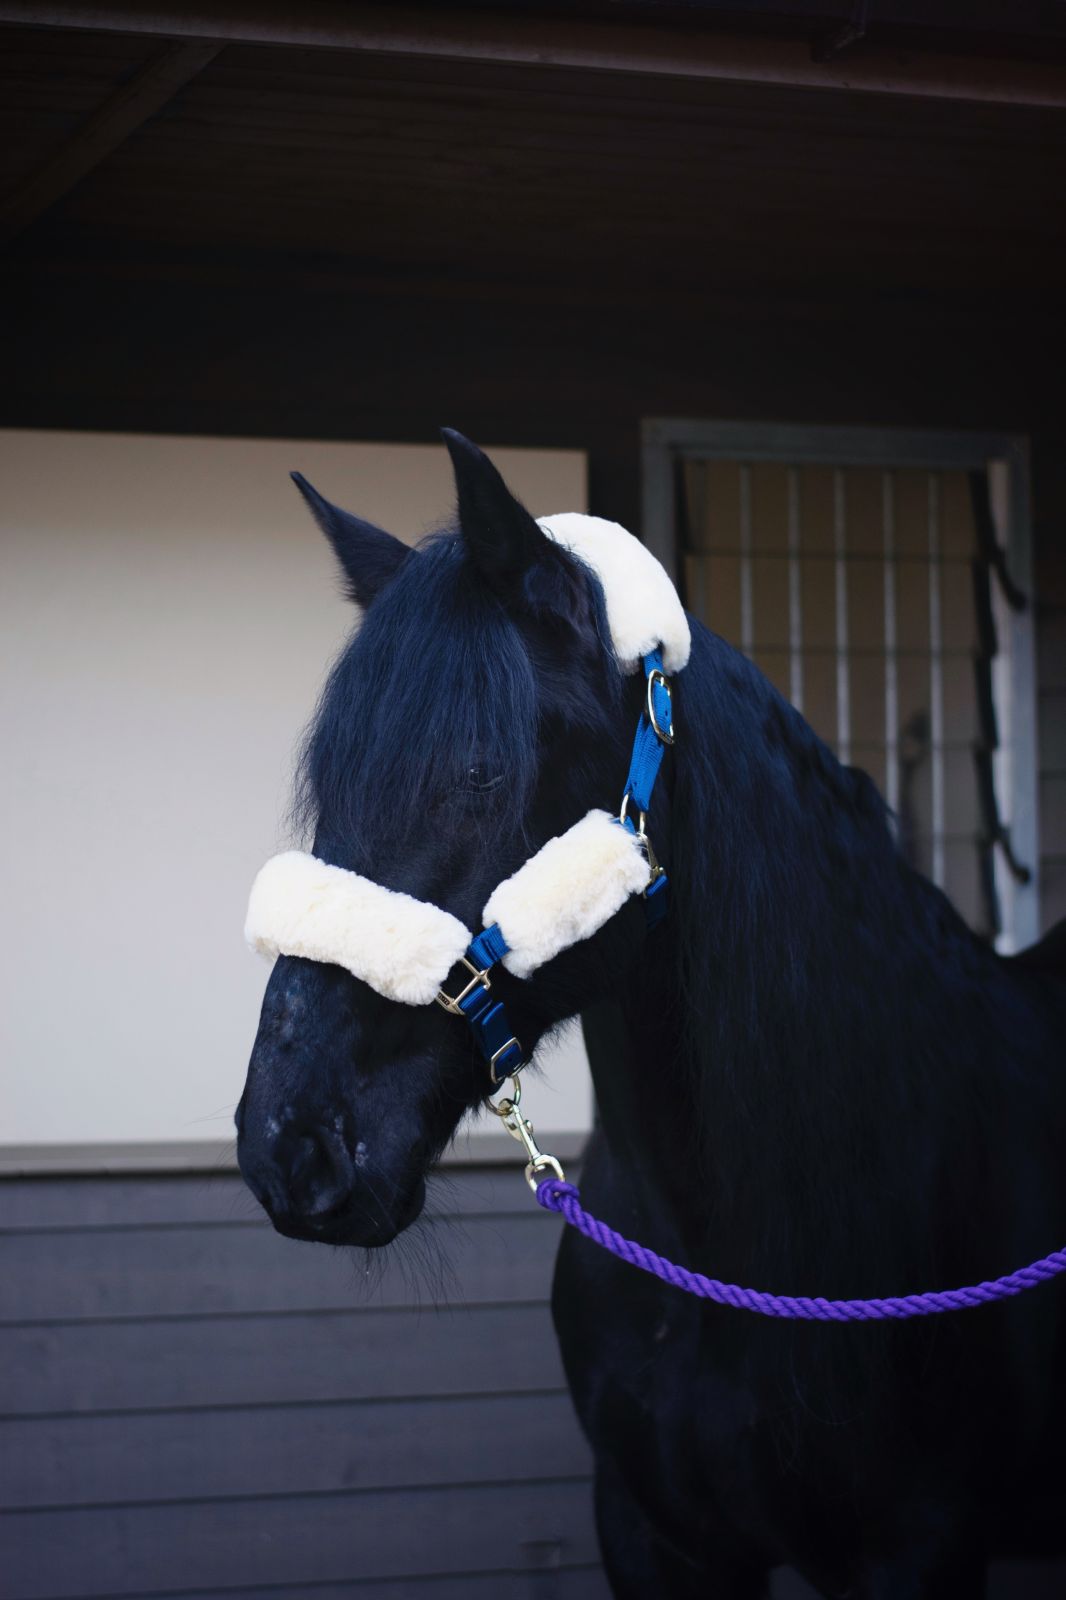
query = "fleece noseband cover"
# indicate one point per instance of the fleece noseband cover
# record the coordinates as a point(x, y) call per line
point(404, 948)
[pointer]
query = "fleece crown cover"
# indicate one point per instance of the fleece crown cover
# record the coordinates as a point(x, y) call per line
point(643, 607)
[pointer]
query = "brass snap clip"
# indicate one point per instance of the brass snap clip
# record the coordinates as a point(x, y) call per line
point(540, 1164)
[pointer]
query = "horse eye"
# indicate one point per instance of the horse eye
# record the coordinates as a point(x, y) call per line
point(480, 779)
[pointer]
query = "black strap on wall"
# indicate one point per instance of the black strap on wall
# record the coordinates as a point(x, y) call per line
point(990, 559)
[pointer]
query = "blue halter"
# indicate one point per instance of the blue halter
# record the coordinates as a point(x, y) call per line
point(486, 1015)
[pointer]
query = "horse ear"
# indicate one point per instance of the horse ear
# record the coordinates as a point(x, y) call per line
point(368, 555)
point(502, 538)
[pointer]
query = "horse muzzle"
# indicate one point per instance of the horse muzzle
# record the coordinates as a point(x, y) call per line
point(314, 1188)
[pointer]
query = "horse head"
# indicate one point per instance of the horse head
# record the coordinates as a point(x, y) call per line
point(478, 711)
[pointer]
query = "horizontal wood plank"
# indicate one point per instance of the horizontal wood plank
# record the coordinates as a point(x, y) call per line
point(62, 1202)
point(233, 1452)
point(60, 1555)
point(596, 45)
point(218, 1361)
point(246, 1267)
point(549, 1583)
point(1029, 1580)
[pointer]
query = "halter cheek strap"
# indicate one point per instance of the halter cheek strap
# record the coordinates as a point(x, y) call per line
point(563, 894)
point(588, 872)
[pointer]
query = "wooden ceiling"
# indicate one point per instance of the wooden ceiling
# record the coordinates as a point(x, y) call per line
point(393, 173)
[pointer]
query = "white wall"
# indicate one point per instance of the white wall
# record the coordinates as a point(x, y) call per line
point(168, 612)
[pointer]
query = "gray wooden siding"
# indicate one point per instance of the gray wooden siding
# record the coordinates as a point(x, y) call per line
point(193, 1405)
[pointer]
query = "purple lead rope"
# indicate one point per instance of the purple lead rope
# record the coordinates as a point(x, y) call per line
point(564, 1198)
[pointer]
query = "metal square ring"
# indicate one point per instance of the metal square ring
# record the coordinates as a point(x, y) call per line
point(660, 678)
point(502, 1051)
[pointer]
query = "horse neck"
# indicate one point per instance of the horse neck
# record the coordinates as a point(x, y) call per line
point(782, 1034)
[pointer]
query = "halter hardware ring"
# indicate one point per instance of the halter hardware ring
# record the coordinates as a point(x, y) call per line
point(502, 1051)
point(641, 836)
point(655, 677)
point(536, 1171)
point(654, 868)
point(643, 815)
point(503, 1108)
point(455, 1005)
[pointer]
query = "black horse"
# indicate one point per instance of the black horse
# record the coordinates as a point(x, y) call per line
point(812, 1078)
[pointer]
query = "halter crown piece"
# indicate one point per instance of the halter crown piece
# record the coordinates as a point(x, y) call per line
point(404, 948)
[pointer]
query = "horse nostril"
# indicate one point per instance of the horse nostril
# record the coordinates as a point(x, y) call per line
point(319, 1178)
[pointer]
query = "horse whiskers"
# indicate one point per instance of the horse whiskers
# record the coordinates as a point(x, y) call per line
point(420, 1258)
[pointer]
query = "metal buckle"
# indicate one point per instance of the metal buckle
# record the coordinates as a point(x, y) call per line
point(502, 1051)
point(665, 735)
point(454, 1005)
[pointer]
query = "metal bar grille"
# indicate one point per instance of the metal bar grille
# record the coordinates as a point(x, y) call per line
point(840, 544)
point(747, 601)
point(888, 526)
point(795, 593)
point(936, 683)
point(842, 562)
point(851, 588)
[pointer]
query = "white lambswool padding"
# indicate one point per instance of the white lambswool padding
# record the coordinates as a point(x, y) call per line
point(402, 947)
point(566, 891)
point(643, 607)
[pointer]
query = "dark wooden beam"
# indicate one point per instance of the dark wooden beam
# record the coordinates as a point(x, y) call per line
point(158, 81)
point(510, 39)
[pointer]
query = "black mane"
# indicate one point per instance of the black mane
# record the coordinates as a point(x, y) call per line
point(824, 986)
